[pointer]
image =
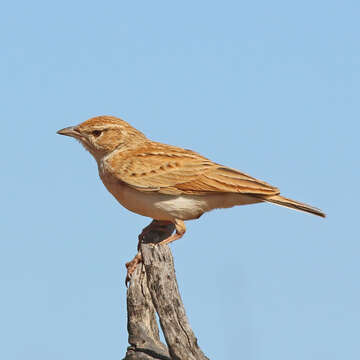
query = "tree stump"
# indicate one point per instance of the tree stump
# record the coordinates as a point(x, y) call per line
point(153, 289)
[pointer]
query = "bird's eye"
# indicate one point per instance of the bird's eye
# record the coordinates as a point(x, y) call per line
point(96, 133)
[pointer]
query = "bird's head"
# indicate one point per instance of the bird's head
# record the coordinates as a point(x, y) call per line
point(103, 134)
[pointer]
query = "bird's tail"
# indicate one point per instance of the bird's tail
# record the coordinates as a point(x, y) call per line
point(283, 201)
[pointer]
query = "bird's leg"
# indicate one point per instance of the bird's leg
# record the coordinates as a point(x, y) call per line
point(155, 225)
point(180, 231)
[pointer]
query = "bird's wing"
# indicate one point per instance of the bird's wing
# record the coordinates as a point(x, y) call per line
point(226, 180)
point(171, 170)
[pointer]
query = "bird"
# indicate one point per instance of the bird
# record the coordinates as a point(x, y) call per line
point(166, 183)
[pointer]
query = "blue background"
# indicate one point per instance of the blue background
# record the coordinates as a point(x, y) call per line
point(268, 87)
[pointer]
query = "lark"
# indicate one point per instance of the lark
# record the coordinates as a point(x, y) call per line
point(167, 183)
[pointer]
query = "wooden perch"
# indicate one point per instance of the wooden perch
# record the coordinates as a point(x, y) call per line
point(153, 288)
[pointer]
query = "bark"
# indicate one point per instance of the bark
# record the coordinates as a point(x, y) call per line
point(153, 288)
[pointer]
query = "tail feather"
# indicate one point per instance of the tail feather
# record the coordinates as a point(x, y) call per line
point(283, 201)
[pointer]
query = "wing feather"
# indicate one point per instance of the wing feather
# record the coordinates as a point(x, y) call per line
point(172, 170)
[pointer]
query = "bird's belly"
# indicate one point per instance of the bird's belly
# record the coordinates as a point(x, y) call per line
point(156, 206)
point(170, 207)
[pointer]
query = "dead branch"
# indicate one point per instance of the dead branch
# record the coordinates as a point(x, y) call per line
point(153, 287)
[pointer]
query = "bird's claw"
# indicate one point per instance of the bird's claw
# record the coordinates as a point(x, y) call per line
point(131, 266)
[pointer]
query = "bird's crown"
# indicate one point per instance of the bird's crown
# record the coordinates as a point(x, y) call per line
point(104, 134)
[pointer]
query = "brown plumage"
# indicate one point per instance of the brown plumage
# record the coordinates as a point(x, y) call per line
point(165, 182)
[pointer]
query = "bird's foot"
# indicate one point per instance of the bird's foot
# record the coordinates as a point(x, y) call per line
point(131, 266)
point(180, 231)
point(160, 226)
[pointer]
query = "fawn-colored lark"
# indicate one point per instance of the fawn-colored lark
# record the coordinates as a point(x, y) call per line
point(164, 182)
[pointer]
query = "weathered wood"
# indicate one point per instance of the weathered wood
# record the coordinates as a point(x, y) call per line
point(162, 284)
point(153, 286)
point(143, 330)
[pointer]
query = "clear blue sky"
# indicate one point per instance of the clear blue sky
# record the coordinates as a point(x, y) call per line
point(268, 87)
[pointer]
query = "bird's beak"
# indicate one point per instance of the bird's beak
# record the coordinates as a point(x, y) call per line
point(69, 131)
